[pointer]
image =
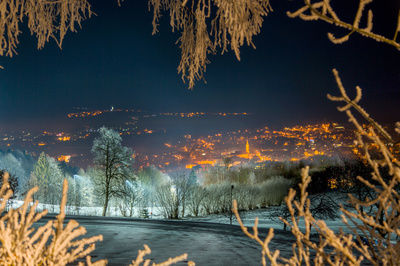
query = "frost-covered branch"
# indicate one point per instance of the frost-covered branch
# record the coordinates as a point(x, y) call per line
point(323, 10)
point(50, 244)
point(147, 251)
point(354, 104)
point(206, 26)
point(46, 19)
point(373, 233)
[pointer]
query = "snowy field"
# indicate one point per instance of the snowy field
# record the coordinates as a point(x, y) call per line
point(209, 240)
point(206, 243)
point(264, 217)
point(264, 220)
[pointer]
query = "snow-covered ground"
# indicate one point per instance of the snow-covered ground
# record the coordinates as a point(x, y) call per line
point(205, 243)
point(264, 220)
point(154, 212)
point(264, 217)
point(208, 240)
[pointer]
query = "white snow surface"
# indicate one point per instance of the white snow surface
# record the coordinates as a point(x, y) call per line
point(205, 241)
point(209, 240)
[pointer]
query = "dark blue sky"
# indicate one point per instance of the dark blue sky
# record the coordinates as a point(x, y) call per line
point(114, 60)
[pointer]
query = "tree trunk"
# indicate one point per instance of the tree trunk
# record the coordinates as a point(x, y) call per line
point(183, 208)
point(105, 205)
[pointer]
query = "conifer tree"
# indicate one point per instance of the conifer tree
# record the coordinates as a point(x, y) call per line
point(39, 176)
point(47, 175)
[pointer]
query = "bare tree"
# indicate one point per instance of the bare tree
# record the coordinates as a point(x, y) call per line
point(277, 213)
point(168, 200)
point(183, 186)
point(175, 195)
point(196, 196)
point(113, 163)
point(130, 198)
point(218, 198)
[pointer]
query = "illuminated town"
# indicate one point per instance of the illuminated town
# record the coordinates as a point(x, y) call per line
point(254, 146)
point(186, 150)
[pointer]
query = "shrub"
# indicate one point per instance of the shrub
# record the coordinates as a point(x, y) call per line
point(372, 233)
point(52, 243)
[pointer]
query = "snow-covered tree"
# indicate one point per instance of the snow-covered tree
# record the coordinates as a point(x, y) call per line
point(168, 200)
point(173, 195)
point(150, 178)
point(86, 187)
point(133, 194)
point(48, 177)
point(196, 196)
point(112, 164)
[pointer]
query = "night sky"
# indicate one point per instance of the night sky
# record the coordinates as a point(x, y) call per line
point(114, 60)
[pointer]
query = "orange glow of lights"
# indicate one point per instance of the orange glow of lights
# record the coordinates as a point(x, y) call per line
point(65, 138)
point(307, 154)
point(332, 183)
point(209, 162)
point(84, 114)
point(245, 156)
point(41, 144)
point(178, 157)
point(236, 163)
point(64, 158)
point(262, 158)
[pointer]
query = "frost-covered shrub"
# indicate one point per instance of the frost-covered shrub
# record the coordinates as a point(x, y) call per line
point(274, 190)
point(218, 197)
point(53, 243)
point(167, 199)
point(247, 196)
point(197, 195)
point(50, 244)
point(374, 234)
